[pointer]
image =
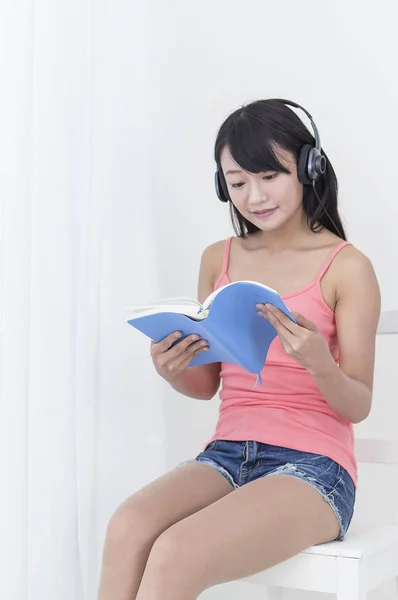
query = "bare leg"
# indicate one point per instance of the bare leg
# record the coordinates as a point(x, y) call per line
point(261, 524)
point(139, 521)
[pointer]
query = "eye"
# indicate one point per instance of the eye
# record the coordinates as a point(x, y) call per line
point(268, 177)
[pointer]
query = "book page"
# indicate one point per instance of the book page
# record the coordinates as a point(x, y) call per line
point(192, 311)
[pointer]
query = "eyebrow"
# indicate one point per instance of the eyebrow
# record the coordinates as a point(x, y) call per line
point(232, 172)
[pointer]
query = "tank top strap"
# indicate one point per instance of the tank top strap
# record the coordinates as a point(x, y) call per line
point(225, 262)
point(331, 258)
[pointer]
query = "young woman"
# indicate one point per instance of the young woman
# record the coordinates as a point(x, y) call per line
point(279, 474)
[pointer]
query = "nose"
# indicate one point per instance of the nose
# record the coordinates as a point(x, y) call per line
point(258, 195)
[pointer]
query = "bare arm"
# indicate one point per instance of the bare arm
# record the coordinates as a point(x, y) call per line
point(202, 382)
point(348, 387)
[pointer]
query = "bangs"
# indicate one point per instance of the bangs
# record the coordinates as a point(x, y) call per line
point(252, 149)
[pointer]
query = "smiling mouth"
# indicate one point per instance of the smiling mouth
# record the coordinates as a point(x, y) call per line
point(265, 212)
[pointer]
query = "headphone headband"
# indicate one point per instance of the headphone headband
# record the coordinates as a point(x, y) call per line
point(314, 127)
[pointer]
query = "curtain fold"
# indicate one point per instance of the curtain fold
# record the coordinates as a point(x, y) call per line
point(79, 403)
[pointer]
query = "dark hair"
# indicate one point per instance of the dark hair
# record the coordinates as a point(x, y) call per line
point(251, 134)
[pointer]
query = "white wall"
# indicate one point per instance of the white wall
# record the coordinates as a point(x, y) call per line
point(337, 59)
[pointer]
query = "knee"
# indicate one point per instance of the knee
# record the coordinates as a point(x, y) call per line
point(128, 528)
point(171, 553)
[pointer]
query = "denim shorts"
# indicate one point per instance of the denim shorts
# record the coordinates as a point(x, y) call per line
point(242, 462)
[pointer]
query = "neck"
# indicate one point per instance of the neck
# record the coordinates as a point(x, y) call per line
point(291, 235)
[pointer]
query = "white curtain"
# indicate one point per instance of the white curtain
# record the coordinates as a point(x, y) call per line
point(81, 423)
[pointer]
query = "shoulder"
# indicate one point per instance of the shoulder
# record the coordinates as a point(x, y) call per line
point(353, 267)
point(350, 274)
point(215, 249)
point(348, 263)
point(213, 256)
point(356, 280)
point(211, 265)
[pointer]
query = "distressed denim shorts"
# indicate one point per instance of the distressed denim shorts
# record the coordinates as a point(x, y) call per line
point(242, 462)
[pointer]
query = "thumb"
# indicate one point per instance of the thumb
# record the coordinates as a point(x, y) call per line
point(304, 322)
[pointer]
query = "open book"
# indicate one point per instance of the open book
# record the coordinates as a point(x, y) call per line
point(227, 319)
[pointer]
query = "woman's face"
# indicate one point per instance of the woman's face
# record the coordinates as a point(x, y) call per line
point(269, 199)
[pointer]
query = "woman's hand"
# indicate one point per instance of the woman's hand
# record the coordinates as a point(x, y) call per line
point(171, 360)
point(302, 340)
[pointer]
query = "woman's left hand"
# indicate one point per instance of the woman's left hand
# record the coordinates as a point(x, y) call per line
point(301, 340)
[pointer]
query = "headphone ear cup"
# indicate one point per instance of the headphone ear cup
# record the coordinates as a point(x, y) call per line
point(302, 164)
point(316, 164)
point(218, 184)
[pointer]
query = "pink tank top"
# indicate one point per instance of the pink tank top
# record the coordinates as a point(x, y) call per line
point(288, 409)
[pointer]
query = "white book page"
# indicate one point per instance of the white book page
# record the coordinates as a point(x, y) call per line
point(185, 306)
point(182, 305)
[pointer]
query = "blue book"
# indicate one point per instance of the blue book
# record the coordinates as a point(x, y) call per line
point(228, 319)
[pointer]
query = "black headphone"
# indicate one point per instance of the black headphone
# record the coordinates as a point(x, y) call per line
point(311, 164)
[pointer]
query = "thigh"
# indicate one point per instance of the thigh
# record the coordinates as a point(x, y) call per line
point(261, 524)
point(168, 499)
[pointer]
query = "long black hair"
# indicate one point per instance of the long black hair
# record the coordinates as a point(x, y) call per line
point(251, 135)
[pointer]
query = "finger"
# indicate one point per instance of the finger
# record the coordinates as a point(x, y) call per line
point(165, 343)
point(282, 317)
point(184, 345)
point(198, 350)
point(281, 330)
point(279, 320)
point(181, 362)
point(304, 322)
